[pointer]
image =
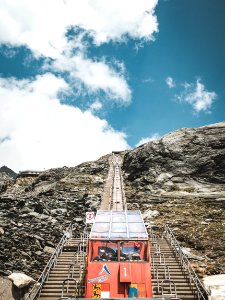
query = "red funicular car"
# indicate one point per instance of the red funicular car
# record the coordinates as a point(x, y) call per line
point(118, 260)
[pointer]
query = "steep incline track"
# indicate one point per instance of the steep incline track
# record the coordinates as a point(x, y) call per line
point(169, 276)
point(113, 197)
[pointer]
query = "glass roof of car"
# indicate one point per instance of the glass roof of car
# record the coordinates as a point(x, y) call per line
point(126, 224)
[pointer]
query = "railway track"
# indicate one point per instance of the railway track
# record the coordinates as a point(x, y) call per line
point(172, 276)
point(114, 197)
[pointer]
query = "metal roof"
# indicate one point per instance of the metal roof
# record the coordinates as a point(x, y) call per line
point(127, 224)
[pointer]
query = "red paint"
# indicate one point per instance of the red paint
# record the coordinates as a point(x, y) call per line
point(125, 272)
point(120, 273)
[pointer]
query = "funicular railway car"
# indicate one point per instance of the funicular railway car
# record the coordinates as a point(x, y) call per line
point(118, 257)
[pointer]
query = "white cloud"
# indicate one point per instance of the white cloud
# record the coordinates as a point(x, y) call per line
point(37, 131)
point(41, 25)
point(153, 137)
point(170, 82)
point(97, 105)
point(197, 95)
point(95, 75)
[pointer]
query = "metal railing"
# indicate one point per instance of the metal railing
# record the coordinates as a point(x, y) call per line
point(74, 290)
point(78, 264)
point(160, 262)
point(166, 274)
point(79, 261)
point(36, 290)
point(202, 293)
point(169, 285)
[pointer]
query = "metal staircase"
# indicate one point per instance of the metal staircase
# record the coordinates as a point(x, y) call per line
point(172, 275)
point(64, 274)
point(66, 278)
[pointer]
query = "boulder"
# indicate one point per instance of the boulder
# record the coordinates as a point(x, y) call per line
point(49, 250)
point(149, 214)
point(21, 280)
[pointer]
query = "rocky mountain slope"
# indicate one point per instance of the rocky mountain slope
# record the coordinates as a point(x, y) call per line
point(35, 211)
point(5, 170)
point(178, 179)
point(7, 177)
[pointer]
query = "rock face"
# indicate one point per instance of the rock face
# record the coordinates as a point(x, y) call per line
point(182, 177)
point(7, 177)
point(34, 212)
point(8, 171)
point(178, 179)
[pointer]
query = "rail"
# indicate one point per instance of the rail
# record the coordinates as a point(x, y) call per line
point(36, 290)
point(202, 293)
point(117, 194)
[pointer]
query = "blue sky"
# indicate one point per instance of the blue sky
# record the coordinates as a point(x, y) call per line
point(89, 77)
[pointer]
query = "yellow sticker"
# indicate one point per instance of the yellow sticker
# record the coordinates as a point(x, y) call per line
point(96, 290)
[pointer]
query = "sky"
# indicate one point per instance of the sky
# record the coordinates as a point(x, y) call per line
point(81, 78)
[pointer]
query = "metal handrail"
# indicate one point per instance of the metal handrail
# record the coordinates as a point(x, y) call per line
point(79, 258)
point(71, 267)
point(193, 278)
point(162, 261)
point(83, 244)
point(152, 237)
point(67, 281)
point(172, 292)
point(35, 291)
point(166, 275)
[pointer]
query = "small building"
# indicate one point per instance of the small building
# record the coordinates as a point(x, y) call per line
point(28, 173)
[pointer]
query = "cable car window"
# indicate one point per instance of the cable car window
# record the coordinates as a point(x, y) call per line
point(104, 251)
point(133, 251)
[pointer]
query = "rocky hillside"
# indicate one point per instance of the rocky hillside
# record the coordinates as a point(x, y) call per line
point(178, 179)
point(5, 170)
point(35, 211)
